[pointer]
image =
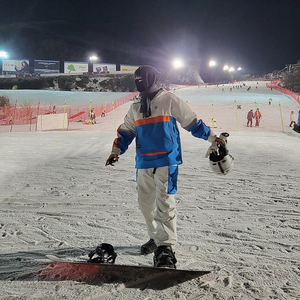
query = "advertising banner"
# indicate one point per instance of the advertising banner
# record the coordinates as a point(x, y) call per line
point(104, 68)
point(16, 66)
point(128, 68)
point(46, 66)
point(75, 67)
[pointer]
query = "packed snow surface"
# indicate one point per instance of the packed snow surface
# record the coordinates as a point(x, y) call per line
point(58, 198)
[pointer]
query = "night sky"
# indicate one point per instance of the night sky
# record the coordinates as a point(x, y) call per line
point(259, 36)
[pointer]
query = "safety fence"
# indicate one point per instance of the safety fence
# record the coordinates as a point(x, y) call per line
point(27, 113)
point(274, 86)
point(230, 117)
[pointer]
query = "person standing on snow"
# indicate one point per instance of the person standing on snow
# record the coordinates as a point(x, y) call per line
point(92, 116)
point(250, 116)
point(292, 118)
point(297, 126)
point(152, 121)
point(258, 116)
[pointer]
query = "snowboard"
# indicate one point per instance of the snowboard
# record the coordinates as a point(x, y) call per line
point(131, 276)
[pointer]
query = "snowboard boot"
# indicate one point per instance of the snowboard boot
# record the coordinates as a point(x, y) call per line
point(149, 247)
point(296, 128)
point(164, 257)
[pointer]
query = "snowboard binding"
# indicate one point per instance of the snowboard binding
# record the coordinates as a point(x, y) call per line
point(105, 252)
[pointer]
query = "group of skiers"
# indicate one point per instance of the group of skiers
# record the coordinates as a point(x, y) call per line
point(92, 115)
point(257, 116)
point(250, 116)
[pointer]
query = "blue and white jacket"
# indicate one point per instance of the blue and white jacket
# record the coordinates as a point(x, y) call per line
point(157, 137)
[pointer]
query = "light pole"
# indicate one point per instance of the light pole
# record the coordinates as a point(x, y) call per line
point(93, 59)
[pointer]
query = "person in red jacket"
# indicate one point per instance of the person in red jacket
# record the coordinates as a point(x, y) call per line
point(258, 116)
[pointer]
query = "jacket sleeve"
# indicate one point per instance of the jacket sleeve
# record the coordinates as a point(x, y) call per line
point(188, 120)
point(125, 134)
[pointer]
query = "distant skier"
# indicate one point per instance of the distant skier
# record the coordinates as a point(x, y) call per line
point(258, 116)
point(292, 118)
point(250, 117)
point(92, 116)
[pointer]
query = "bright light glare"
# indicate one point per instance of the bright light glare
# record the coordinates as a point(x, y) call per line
point(212, 63)
point(177, 64)
point(225, 68)
point(3, 54)
point(239, 68)
point(231, 69)
point(93, 58)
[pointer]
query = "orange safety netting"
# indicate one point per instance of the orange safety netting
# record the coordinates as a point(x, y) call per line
point(27, 114)
point(283, 90)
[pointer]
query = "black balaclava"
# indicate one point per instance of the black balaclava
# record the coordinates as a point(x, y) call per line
point(147, 87)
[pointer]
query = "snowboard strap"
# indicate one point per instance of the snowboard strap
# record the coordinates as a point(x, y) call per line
point(105, 252)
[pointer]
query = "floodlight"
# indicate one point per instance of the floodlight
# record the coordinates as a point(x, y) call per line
point(212, 63)
point(177, 64)
point(231, 69)
point(239, 68)
point(93, 58)
point(3, 54)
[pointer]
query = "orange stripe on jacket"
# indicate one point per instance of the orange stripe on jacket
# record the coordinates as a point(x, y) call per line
point(152, 120)
point(115, 143)
point(154, 153)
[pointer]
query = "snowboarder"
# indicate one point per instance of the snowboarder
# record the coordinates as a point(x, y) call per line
point(152, 121)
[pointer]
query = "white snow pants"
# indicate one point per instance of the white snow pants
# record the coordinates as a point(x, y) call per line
point(156, 189)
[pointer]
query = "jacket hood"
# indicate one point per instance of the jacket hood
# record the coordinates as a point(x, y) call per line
point(150, 76)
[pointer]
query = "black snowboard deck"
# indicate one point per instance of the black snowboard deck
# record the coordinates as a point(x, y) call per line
point(131, 276)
